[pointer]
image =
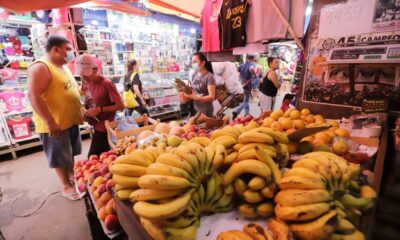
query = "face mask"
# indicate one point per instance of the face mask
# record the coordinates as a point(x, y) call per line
point(70, 56)
point(195, 66)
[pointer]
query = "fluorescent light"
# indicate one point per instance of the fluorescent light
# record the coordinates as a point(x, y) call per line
point(308, 10)
point(192, 30)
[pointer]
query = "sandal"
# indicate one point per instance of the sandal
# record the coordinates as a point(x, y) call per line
point(71, 196)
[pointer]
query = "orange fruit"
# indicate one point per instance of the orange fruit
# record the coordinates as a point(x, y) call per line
point(267, 122)
point(331, 133)
point(340, 147)
point(323, 136)
point(333, 123)
point(298, 124)
point(277, 126)
point(295, 114)
point(308, 139)
point(275, 116)
point(305, 111)
point(290, 130)
point(341, 132)
point(287, 113)
point(286, 123)
point(292, 147)
point(310, 118)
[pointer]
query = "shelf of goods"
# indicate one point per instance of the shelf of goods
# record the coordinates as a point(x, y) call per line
point(303, 174)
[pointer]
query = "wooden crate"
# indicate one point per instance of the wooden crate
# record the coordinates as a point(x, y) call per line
point(146, 122)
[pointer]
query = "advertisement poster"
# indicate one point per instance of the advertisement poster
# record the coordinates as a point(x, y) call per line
point(386, 16)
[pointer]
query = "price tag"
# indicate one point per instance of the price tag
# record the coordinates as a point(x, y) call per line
point(374, 105)
point(344, 19)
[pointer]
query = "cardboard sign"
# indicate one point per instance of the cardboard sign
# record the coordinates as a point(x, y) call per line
point(374, 105)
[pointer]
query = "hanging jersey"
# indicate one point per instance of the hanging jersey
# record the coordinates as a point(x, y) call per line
point(232, 23)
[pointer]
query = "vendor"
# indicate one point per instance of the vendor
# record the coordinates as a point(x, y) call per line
point(269, 86)
point(102, 101)
point(203, 85)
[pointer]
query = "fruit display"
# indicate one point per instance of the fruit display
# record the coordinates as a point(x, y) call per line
point(242, 120)
point(321, 197)
point(125, 145)
point(94, 172)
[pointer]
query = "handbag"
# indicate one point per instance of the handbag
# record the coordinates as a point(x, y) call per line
point(129, 99)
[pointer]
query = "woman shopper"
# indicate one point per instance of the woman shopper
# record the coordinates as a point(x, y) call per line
point(132, 77)
point(269, 86)
point(203, 85)
point(102, 101)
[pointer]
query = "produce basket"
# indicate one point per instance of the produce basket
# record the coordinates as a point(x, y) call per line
point(146, 122)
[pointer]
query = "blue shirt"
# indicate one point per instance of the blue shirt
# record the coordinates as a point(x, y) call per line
point(245, 73)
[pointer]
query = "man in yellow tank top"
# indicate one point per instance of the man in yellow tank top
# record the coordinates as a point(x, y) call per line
point(55, 100)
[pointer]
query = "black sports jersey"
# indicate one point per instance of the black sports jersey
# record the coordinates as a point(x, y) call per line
point(232, 23)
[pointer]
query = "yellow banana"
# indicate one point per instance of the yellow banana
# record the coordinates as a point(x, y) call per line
point(152, 229)
point(163, 182)
point(320, 228)
point(132, 159)
point(174, 160)
point(204, 141)
point(230, 158)
point(255, 137)
point(302, 212)
point(248, 210)
point(165, 210)
point(247, 166)
point(210, 153)
point(161, 148)
point(265, 209)
point(229, 190)
point(300, 182)
point(256, 232)
point(180, 221)
point(224, 201)
point(118, 187)
point(271, 149)
point(356, 235)
point(238, 146)
point(240, 186)
point(219, 191)
point(252, 197)
point(279, 229)
point(232, 129)
point(240, 127)
point(152, 194)
point(315, 166)
point(174, 141)
point(124, 194)
point(345, 225)
point(222, 132)
point(263, 156)
point(146, 155)
point(220, 155)
point(211, 187)
point(305, 172)
point(168, 170)
point(233, 235)
point(128, 170)
point(257, 183)
point(201, 156)
point(188, 233)
point(268, 192)
point(227, 141)
point(202, 195)
point(298, 197)
point(249, 154)
point(153, 151)
point(279, 137)
point(353, 202)
point(126, 182)
point(188, 155)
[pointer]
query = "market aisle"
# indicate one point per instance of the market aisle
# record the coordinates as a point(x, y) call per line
point(29, 179)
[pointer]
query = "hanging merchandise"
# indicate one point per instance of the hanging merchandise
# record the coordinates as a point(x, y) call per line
point(209, 25)
point(12, 100)
point(232, 23)
point(20, 126)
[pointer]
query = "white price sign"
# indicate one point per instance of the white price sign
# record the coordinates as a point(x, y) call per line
point(350, 18)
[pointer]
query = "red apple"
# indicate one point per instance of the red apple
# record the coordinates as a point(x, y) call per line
point(112, 152)
point(110, 207)
point(111, 222)
point(93, 157)
point(103, 156)
point(108, 176)
point(93, 168)
point(93, 176)
point(81, 181)
point(191, 135)
point(112, 157)
point(78, 174)
point(101, 188)
point(110, 184)
point(104, 169)
point(82, 188)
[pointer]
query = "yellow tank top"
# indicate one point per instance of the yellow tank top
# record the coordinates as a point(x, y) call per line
point(62, 99)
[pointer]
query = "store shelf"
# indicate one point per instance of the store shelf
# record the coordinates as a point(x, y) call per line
point(124, 51)
point(13, 86)
point(15, 113)
point(34, 136)
point(152, 88)
point(168, 95)
point(164, 113)
point(163, 104)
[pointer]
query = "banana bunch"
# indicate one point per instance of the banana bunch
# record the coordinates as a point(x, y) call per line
point(228, 137)
point(122, 144)
point(157, 231)
point(321, 198)
point(250, 231)
point(176, 175)
point(127, 169)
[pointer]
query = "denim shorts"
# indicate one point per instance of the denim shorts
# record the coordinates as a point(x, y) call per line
point(60, 151)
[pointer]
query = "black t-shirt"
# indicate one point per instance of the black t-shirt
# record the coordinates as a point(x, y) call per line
point(134, 81)
point(232, 23)
point(268, 87)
